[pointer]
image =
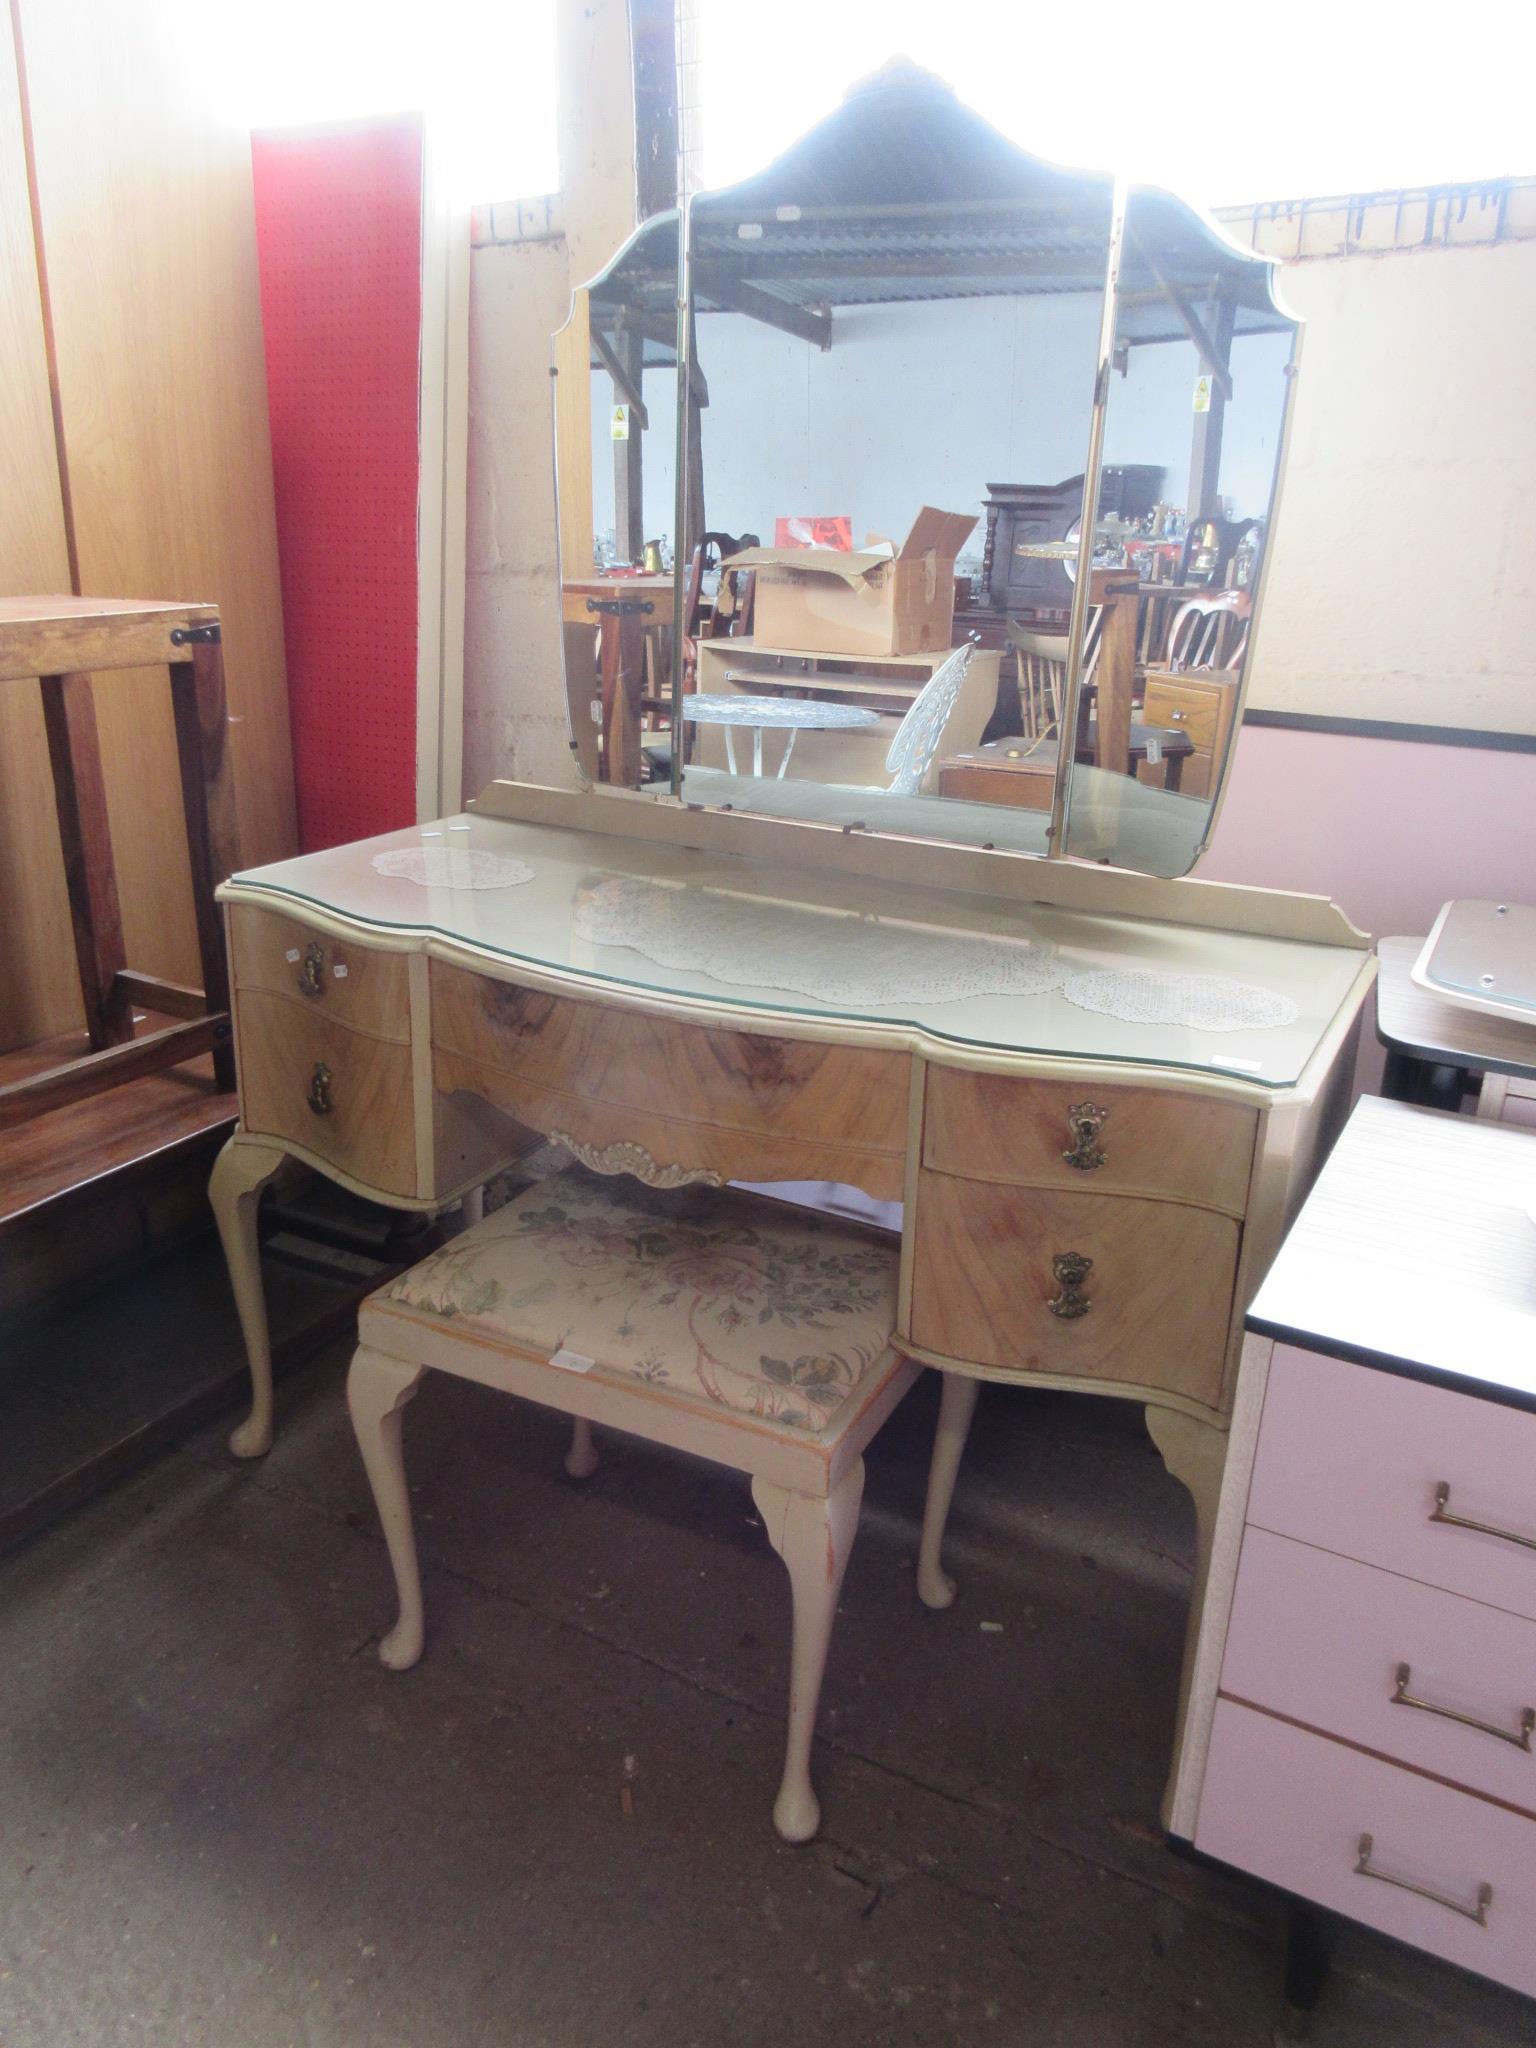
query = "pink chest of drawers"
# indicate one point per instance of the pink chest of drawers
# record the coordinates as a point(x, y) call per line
point(1362, 1722)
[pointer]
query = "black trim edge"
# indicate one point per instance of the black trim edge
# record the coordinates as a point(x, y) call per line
point(1390, 729)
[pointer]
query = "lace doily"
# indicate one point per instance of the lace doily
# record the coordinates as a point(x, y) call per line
point(838, 959)
point(1200, 1002)
point(453, 867)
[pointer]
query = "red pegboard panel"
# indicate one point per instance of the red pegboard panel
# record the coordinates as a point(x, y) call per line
point(338, 236)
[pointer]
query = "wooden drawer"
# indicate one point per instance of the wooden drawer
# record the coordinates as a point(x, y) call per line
point(1350, 1459)
point(1159, 1292)
point(337, 978)
point(1198, 708)
point(1291, 1807)
point(745, 1104)
point(994, 1127)
point(1321, 1639)
point(369, 1129)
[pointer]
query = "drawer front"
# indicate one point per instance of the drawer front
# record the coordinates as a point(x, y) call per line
point(1195, 708)
point(833, 1102)
point(336, 978)
point(358, 1114)
point(1153, 1309)
point(1322, 1640)
point(1351, 1460)
point(1142, 1141)
point(1291, 1807)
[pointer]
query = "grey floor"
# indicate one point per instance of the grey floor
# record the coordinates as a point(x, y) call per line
point(225, 1823)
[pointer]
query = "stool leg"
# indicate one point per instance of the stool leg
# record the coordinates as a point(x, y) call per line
point(958, 1405)
point(472, 1208)
point(814, 1538)
point(581, 1458)
point(378, 1388)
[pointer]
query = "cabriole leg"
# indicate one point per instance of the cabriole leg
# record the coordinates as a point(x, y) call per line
point(1195, 1453)
point(241, 1171)
point(957, 1406)
point(378, 1388)
point(814, 1538)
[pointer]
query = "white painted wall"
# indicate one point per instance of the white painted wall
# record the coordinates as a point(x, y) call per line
point(928, 404)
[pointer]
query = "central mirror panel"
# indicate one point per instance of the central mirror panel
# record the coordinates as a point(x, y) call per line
point(838, 569)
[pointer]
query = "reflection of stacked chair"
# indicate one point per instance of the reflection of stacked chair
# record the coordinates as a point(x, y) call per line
point(1042, 660)
point(1210, 632)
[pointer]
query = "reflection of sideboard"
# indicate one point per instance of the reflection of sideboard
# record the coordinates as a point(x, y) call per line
point(888, 687)
point(1201, 704)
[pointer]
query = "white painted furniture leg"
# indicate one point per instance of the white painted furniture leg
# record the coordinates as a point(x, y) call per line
point(242, 1169)
point(472, 1207)
point(581, 1458)
point(958, 1405)
point(1196, 1455)
point(377, 1390)
point(813, 1537)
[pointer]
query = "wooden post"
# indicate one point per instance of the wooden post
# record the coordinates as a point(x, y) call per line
point(1205, 447)
point(621, 653)
point(74, 753)
point(213, 835)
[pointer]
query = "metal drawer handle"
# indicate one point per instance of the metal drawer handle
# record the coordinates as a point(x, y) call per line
point(319, 1096)
point(1479, 1912)
point(311, 974)
point(1443, 1514)
point(1085, 1120)
point(1071, 1270)
point(1521, 1737)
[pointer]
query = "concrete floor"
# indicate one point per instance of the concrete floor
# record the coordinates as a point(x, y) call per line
point(226, 1824)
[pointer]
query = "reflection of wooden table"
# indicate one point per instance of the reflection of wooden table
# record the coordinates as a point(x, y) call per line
point(1012, 772)
point(1434, 1047)
point(624, 609)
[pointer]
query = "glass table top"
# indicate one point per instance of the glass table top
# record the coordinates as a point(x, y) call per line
point(538, 922)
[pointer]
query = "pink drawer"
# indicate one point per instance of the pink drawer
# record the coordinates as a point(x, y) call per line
point(1291, 1807)
point(1350, 1459)
point(1321, 1639)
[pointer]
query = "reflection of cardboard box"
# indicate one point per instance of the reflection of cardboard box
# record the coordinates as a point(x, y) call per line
point(876, 601)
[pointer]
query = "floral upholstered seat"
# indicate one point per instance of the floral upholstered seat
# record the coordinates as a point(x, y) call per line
point(736, 1301)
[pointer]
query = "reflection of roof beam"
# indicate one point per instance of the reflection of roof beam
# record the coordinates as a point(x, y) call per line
point(658, 328)
point(790, 267)
point(736, 296)
point(621, 379)
point(1214, 359)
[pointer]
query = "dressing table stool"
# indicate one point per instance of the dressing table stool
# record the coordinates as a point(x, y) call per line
point(725, 1324)
point(1363, 1702)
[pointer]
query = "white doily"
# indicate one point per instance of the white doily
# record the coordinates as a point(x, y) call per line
point(838, 959)
point(1201, 1002)
point(453, 867)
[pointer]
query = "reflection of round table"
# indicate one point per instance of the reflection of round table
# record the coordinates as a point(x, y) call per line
point(791, 715)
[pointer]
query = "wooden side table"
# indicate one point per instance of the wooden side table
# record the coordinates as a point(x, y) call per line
point(60, 641)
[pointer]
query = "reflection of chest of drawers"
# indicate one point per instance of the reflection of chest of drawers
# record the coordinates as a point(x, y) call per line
point(1201, 705)
point(1364, 1698)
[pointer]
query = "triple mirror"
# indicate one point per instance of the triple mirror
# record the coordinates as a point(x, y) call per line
point(916, 485)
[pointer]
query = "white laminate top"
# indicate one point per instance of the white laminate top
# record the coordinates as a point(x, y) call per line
point(535, 924)
point(1416, 1248)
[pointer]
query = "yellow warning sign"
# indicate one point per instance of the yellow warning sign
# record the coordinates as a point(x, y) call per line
point(618, 422)
point(1202, 394)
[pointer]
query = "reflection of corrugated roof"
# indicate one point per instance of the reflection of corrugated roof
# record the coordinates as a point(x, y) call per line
point(905, 194)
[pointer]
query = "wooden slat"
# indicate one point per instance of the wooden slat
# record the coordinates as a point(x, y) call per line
point(80, 801)
point(167, 998)
point(213, 831)
point(50, 635)
point(102, 1070)
point(39, 993)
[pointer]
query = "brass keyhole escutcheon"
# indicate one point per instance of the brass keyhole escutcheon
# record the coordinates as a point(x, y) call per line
point(1085, 1120)
point(319, 1096)
point(1071, 1269)
point(311, 974)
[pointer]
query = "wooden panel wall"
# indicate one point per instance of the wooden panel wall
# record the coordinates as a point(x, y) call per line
point(144, 202)
point(38, 992)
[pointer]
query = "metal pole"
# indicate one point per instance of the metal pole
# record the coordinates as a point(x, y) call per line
point(683, 516)
point(1056, 840)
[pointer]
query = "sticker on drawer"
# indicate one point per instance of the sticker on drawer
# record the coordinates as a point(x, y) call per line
point(570, 1361)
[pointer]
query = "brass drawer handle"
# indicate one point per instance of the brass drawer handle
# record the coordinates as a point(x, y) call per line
point(1085, 1120)
point(1521, 1737)
point(1442, 1513)
point(311, 974)
point(1071, 1270)
point(319, 1096)
point(1365, 1868)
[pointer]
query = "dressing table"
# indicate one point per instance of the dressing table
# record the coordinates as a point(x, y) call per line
point(1097, 1089)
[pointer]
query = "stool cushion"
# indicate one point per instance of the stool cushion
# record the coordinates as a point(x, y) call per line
point(723, 1297)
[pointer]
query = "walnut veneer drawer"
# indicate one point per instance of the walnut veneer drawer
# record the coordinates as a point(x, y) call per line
point(1154, 1308)
point(1291, 1807)
point(1352, 1460)
point(1322, 1640)
point(741, 1103)
point(342, 1095)
point(1148, 1142)
point(1195, 707)
point(339, 979)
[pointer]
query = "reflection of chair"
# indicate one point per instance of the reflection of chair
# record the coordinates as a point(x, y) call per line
point(1042, 659)
point(1209, 632)
point(917, 738)
point(728, 612)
